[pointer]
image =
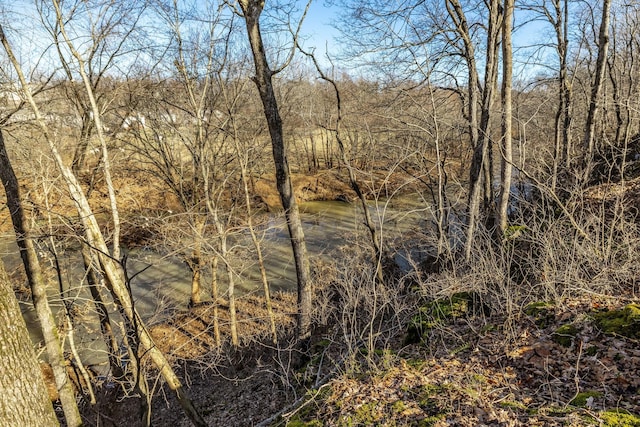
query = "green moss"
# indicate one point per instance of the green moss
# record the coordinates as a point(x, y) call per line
point(430, 390)
point(398, 407)
point(632, 311)
point(367, 414)
point(625, 322)
point(462, 348)
point(555, 411)
point(479, 379)
point(542, 312)
point(296, 422)
point(581, 399)
point(488, 328)
point(564, 335)
point(535, 308)
point(514, 231)
point(431, 420)
point(440, 312)
point(614, 418)
point(416, 363)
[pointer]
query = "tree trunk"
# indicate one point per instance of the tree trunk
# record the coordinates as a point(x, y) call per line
point(79, 155)
point(596, 89)
point(456, 13)
point(24, 400)
point(106, 329)
point(243, 159)
point(252, 10)
point(507, 151)
point(36, 281)
point(215, 299)
point(196, 264)
point(562, 145)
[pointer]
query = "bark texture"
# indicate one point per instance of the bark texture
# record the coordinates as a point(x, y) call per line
point(24, 400)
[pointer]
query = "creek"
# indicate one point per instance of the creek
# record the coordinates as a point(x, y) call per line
point(160, 283)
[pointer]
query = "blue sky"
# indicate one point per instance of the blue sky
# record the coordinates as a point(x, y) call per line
point(318, 26)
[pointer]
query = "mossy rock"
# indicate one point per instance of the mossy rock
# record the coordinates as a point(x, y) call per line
point(443, 311)
point(582, 398)
point(615, 418)
point(542, 312)
point(534, 309)
point(624, 322)
point(565, 335)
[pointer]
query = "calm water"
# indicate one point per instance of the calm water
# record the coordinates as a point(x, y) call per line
point(161, 282)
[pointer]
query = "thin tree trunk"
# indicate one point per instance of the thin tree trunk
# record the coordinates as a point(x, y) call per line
point(456, 13)
point(80, 153)
point(95, 111)
point(263, 79)
point(216, 302)
point(256, 243)
point(233, 318)
point(507, 150)
point(212, 210)
point(103, 314)
point(566, 86)
point(69, 324)
point(195, 263)
point(596, 89)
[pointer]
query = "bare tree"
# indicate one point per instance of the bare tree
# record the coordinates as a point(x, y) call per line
point(596, 88)
point(104, 33)
point(481, 155)
point(507, 151)
point(242, 154)
point(251, 11)
point(558, 16)
point(89, 86)
point(375, 239)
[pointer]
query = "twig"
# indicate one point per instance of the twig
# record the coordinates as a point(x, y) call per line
point(576, 377)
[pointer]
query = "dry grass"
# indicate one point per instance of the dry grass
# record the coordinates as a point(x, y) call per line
point(190, 335)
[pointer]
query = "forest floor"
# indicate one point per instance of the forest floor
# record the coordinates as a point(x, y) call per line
point(574, 363)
